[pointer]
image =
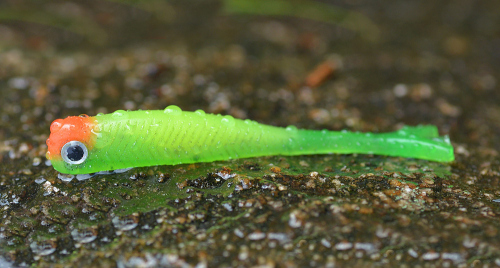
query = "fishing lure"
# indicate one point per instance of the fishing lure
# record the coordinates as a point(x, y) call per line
point(124, 139)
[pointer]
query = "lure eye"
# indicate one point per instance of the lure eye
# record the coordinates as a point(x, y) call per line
point(74, 152)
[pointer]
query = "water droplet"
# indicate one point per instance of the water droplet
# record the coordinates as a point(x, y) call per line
point(324, 131)
point(118, 113)
point(172, 110)
point(84, 236)
point(291, 128)
point(42, 248)
point(82, 177)
point(124, 224)
point(200, 112)
point(40, 180)
point(228, 120)
point(96, 133)
point(65, 177)
point(100, 114)
point(56, 125)
point(121, 114)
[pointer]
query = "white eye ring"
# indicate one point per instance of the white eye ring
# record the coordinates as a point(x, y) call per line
point(74, 152)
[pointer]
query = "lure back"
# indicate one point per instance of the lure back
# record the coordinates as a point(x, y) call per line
point(123, 139)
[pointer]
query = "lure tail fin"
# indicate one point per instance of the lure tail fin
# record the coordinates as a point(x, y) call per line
point(421, 142)
point(424, 132)
point(420, 131)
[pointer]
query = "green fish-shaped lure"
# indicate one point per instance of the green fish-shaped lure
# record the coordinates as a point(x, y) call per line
point(125, 139)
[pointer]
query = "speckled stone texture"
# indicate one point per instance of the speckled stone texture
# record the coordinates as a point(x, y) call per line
point(429, 63)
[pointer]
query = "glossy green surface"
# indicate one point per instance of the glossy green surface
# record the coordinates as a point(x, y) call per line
point(171, 137)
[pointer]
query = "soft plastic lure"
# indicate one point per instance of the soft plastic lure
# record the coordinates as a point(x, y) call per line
point(83, 144)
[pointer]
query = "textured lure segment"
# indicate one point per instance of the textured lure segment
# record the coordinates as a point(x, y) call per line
point(124, 139)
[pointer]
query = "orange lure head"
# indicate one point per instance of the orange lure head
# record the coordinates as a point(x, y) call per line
point(70, 141)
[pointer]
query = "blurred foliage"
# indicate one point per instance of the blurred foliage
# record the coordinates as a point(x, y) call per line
point(96, 22)
point(80, 25)
point(307, 9)
point(161, 9)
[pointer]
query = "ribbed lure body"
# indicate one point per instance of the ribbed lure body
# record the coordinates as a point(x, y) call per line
point(171, 136)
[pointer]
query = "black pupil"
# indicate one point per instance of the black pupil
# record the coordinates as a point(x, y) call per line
point(75, 153)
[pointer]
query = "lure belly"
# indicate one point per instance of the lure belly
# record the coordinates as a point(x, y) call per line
point(124, 139)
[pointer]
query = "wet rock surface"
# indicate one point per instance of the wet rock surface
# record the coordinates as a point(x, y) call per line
point(438, 66)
